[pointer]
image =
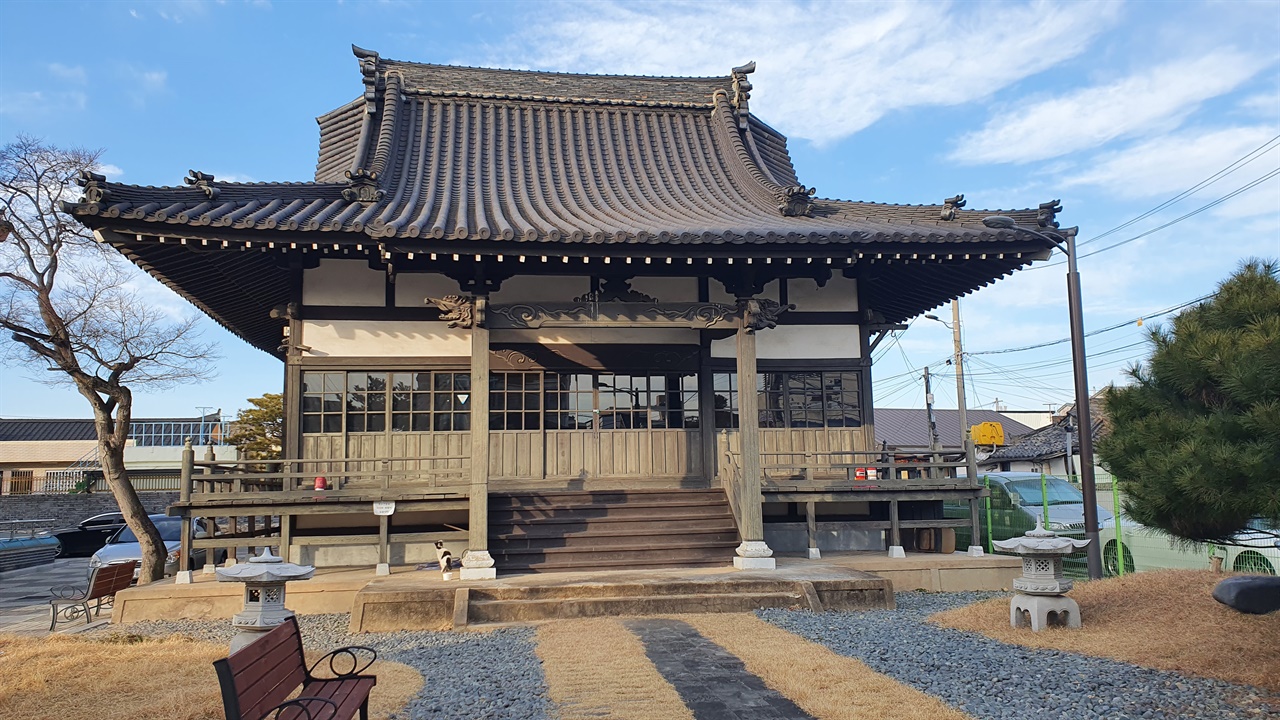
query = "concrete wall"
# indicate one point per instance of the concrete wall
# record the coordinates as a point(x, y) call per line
point(67, 510)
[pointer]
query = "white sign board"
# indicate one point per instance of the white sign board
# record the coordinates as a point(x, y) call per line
point(384, 507)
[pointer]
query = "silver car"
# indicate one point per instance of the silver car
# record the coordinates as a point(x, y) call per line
point(124, 547)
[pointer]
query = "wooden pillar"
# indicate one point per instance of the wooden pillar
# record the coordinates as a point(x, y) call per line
point(811, 520)
point(895, 532)
point(707, 412)
point(975, 539)
point(183, 576)
point(477, 564)
point(753, 553)
point(286, 537)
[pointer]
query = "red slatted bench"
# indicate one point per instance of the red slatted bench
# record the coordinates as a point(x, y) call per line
point(70, 601)
point(257, 679)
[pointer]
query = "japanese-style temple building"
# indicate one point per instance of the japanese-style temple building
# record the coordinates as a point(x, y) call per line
point(524, 307)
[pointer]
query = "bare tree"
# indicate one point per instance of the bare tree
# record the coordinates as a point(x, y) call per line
point(70, 305)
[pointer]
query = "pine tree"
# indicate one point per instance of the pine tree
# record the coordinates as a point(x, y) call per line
point(1195, 440)
point(259, 430)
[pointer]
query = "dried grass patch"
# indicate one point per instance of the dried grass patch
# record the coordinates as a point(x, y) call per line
point(125, 677)
point(597, 668)
point(1166, 620)
point(825, 685)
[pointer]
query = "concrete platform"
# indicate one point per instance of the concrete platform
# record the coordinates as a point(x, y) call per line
point(419, 599)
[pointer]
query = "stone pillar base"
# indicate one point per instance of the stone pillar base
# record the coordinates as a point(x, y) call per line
point(210, 568)
point(382, 569)
point(815, 554)
point(749, 563)
point(231, 561)
point(896, 551)
point(1035, 609)
point(183, 578)
point(467, 573)
point(975, 551)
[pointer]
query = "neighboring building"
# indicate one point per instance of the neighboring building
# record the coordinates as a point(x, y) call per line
point(908, 428)
point(1045, 449)
point(55, 455)
point(508, 287)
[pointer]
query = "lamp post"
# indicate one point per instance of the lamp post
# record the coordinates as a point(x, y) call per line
point(1067, 245)
point(970, 461)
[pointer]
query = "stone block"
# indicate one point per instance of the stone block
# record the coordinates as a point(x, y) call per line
point(1253, 594)
point(1042, 611)
point(744, 563)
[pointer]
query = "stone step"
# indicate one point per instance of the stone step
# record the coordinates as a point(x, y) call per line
point(504, 611)
point(605, 538)
point(633, 588)
point(567, 498)
point(600, 509)
point(556, 527)
point(630, 560)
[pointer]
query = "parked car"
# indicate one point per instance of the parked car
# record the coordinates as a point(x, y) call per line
point(86, 538)
point(1253, 550)
point(1017, 501)
point(124, 546)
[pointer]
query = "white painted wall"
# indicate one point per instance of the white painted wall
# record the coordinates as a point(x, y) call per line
point(597, 336)
point(349, 283)
point(413, 289)
point(168, 458)
point(536, 288)
point(348, 338)
point(667, 289)
point(839, 294)
point(798, 342)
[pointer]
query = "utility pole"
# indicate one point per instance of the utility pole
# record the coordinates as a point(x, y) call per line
point(934, 444)
point(970, 460)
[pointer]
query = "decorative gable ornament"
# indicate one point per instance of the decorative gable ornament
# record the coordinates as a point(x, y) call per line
point(202, 181)
point(362, 186)
point(1048, 214)
point(951, 205)
point(796, 200)
point(742, 92)
point(457, 310)
point(94, 192)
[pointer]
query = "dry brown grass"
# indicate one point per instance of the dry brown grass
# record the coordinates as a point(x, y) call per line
point(1166, 620)
point(597, 668)
point(129, 677)
point(825, 685)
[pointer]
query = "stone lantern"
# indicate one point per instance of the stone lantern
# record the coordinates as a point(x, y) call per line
point(1041, 588)
point(264, 578)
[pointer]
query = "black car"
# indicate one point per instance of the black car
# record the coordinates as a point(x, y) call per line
point(89, 536)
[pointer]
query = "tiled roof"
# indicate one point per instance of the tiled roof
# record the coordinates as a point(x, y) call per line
point(909, 427)
point(434, 158)
point(44, 430)
point(1050, 440)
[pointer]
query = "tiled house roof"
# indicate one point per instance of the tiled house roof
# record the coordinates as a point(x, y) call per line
point(909, 427)
point(1050, 440)
point(439, 159)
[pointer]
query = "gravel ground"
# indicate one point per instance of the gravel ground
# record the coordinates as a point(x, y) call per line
point(989, 679)
point(491, 675)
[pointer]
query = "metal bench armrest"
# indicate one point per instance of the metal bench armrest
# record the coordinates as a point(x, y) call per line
point(301, 703)
point(346, 652)
point(69, 592)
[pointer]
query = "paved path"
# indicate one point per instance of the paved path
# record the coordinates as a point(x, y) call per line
point(713, 683)
point(24, 596)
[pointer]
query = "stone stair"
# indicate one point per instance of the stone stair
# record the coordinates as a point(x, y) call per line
point(610, 530)
point(515, 605)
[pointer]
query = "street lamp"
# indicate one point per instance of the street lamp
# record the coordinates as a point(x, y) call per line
point(1067, 245)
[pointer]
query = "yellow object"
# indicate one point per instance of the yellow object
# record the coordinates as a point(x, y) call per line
point(988, 433)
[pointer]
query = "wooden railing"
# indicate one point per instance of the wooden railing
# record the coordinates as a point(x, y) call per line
point(863, 470)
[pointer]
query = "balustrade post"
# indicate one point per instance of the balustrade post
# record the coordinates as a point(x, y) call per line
point(183, 576)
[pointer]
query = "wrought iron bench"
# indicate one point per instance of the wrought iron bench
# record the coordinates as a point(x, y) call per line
point(70, 601)
point(258, 678)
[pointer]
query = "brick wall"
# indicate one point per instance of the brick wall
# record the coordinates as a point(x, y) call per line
point(68, 510)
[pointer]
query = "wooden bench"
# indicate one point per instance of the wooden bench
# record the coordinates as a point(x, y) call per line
point(70, 601)
point(258, 678)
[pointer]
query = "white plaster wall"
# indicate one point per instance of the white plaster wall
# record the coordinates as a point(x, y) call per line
point(157, 458)
point(541, 288)
point(344, 282)
point(597, 336)
point(716, 292)
point(350, 338)
point(839, 294)
point(667, 289)
point(798, 342)
point(413, 289)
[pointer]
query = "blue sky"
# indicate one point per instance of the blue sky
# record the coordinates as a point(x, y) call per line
point(1115, 108)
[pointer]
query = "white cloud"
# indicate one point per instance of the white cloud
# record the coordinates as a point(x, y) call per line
point(826, 70)
point(113, 172)
point(39, 103)
point(144, 83)
point(69, 73)
point(1172, 163)
point(1153, 99)
point(233, 177)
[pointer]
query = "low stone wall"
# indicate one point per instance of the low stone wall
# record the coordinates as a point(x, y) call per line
point(68, 510)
